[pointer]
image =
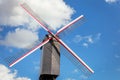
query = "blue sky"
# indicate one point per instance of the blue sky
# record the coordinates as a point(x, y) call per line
point(96, 41)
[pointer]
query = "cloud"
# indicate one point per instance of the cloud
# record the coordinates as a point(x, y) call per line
point(55, 12)
point(111, 1)
point(11, 14)
point(85, 44)
point(87, 40)
point(7, 74)
point(20, 38)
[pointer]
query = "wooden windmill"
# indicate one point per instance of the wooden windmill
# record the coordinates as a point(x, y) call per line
point(50, 64)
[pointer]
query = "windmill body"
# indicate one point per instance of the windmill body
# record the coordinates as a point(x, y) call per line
point(50, 63)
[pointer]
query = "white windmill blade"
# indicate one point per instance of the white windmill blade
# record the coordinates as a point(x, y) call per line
point(35, 16)
point(75, 56)
point(70, 24)
point(28, 53)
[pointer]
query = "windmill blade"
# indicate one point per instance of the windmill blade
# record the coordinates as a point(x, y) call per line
point(75, 56)
point(29, 52)
point(73, 23)
point(43, 24)
point(81, 69)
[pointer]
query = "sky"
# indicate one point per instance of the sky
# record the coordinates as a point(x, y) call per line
point(96, 39)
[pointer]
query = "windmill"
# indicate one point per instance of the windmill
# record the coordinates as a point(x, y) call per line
point(50, 63)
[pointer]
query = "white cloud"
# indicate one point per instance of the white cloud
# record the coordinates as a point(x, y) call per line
point(21, 38)
point(111, 1)
point(7, 74)
point(87, 40)
point(90, 40)
point(85, 44)
point(11, 14)
point(55, 12)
